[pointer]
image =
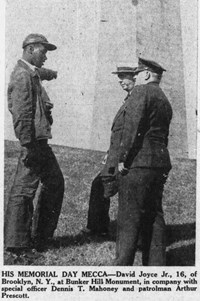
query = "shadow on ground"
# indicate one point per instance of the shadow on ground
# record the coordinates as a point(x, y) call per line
point(178, 254)
point(180, 232)
point(79, 168)
point(183, 255)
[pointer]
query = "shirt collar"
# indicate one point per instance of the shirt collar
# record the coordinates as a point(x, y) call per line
point(130, 92)
point(127, 96)
point(33, 68)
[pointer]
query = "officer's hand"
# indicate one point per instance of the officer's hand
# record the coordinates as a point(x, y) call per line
point(123, 170)
point(105, 159)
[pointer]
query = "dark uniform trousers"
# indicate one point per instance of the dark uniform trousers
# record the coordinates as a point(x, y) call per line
point(19, 215)
point(143, 150)
point(98, 213)
point(140, 211)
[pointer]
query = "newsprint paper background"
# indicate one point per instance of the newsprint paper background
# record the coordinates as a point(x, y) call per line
point(83, 65)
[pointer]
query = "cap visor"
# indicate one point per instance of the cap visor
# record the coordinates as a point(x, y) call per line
point(125, 72)
point(49, 46)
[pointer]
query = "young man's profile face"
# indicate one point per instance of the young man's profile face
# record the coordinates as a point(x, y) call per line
point(39, 55)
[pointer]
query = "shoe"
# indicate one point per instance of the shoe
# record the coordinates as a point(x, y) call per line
point(41, 248)
point(31, 254)
point(24, 253)
point(105, 233)
point(95, 232)
point(40, 244)
point(87, 231)
point(48, 244)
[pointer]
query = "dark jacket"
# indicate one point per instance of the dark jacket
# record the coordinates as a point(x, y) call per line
point(111, 165)
point(26, 102)
point(145, 131)
point(47, 74)
point(140, 131)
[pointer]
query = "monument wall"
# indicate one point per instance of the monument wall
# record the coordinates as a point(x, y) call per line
point(92, 37)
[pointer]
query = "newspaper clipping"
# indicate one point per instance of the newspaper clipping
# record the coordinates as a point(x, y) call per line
point(99, 150)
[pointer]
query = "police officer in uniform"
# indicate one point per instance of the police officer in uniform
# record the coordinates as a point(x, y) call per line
point(30, 107)
point(143, 152)
point(105, 184)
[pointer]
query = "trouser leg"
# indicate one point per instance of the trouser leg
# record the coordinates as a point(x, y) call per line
point(128, 221)
point(157, 250)
point(50, 198)
point(98, 213)
point(18, 218)
point(140, 209)
point(154, 228)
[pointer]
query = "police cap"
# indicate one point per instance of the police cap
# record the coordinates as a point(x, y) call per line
point(144, 64)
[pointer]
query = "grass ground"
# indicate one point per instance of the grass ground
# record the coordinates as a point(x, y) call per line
point(71, 247)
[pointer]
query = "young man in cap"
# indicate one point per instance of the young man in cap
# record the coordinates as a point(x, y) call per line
point(105, 184)
point(31, 111)
point(143, 152)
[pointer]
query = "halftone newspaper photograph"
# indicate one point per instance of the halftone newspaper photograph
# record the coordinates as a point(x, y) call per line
point(99, 140)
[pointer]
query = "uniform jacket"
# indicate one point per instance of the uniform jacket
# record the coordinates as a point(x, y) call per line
point(140, 131)
point(26, 102)
point(145, 130)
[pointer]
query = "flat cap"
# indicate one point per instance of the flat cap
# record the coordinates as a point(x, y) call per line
point(35, 38)
point(125, 69)
point(144, 64)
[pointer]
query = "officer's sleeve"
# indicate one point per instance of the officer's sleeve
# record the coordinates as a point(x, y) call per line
point(134, 126)
point(20, 93)
point(47, 74)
